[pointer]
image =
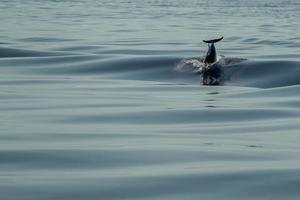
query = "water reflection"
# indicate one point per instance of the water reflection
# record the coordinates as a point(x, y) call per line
point(210, 106)
point(212, 75)
point(211, 102)
point(213, 93)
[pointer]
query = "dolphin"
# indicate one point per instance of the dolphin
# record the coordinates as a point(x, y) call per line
point(211, 55)
point(212, 72)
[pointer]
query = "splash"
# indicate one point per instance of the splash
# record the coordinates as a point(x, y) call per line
point(210, 75)
point(193, 65)
point(197, 65)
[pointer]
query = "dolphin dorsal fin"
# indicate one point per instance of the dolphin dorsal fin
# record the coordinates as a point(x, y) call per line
point(213, 41)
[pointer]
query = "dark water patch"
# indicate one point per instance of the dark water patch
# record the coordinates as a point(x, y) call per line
point(82, 48)
point(5, 43)
point(249, 40)
point(8, 98)
point(151, 68)
point(124, 30)
point(106, 158)
point(264, 74)
point(143, 52)
point(233, 38)
point(272, 42)
point(6, 52)
point(30, 82)
point(222, 116)
point(179, 184)
point(145, 43)
point(270, 93)
point(45, 39)
point(259, 127)
point(255, 146)
point(30, 107)
point(279, 57)
point(49, 61)
point(287, 103)
point(65, 137)
point(213, 93)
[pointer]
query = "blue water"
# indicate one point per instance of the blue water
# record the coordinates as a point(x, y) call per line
point(97, 101)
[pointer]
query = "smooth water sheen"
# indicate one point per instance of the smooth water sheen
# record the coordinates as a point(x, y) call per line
point(97, 103)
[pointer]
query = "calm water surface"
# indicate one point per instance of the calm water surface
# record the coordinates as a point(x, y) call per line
point(96, 104)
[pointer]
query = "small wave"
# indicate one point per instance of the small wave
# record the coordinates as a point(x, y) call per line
point(6, 52)
point(243, 72)
point(168, 69)
point(44, 39)
point(264, 74)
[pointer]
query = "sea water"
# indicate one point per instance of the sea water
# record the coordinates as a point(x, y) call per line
point(96, 102)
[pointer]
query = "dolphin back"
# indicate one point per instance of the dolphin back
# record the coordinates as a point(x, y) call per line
point(213, 41)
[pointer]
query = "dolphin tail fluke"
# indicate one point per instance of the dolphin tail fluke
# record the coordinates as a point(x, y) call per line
point(213, 41)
